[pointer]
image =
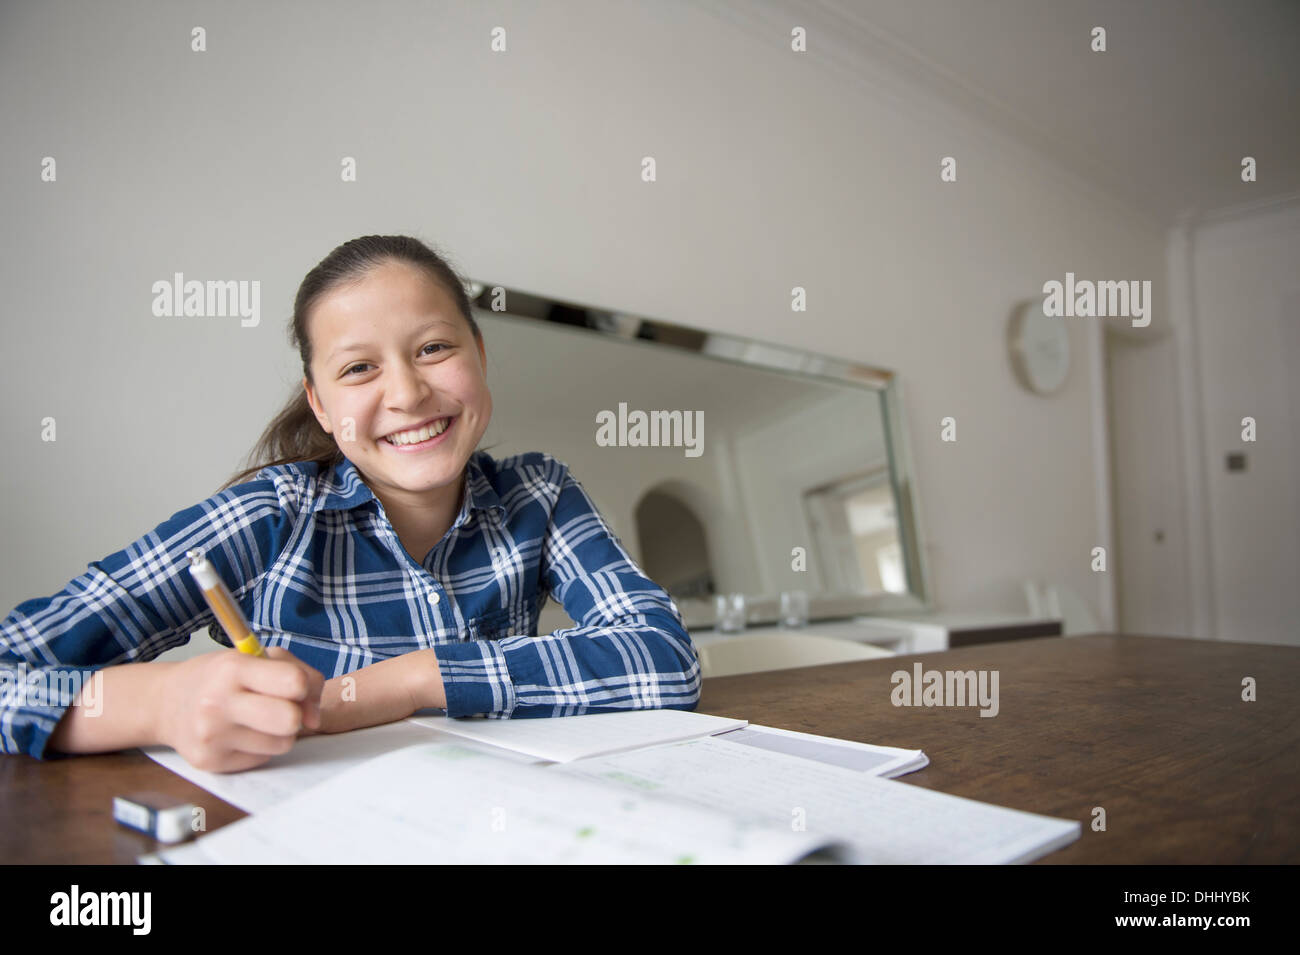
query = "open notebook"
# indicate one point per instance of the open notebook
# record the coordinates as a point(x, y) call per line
point(315, 759)
point(702, 800)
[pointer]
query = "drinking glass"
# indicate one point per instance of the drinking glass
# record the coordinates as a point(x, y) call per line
point(794, 608)
point(730, 609)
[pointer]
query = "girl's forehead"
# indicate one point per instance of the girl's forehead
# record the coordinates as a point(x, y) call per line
point(387, 289)
point(382, 308)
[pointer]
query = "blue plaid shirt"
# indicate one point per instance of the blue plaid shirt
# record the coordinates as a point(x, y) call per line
point(313, 561)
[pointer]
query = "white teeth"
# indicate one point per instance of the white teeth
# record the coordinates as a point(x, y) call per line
point(424, 434)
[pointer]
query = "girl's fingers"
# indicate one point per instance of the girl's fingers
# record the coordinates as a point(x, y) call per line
point(242, 740)
point(267, 715)
point(287, 679)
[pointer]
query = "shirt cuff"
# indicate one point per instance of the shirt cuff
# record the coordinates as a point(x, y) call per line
point(475, 679)
point(34, 699)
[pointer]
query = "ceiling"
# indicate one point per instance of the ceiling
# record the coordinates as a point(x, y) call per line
point(1161, 120)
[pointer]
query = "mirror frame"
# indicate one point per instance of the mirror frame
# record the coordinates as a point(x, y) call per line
point(514, 303)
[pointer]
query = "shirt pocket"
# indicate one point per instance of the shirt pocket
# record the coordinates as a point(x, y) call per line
point(505, 622)
point(217, 634)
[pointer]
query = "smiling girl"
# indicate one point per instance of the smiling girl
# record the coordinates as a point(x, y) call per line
point(373, 544)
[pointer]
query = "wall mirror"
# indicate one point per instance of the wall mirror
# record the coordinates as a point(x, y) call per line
point(724, 465)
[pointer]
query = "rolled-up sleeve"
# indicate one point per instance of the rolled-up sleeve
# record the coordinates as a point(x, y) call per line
point(630, 651)
point(129, 607)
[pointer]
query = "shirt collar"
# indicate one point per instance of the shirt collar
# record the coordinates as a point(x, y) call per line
point(342, 488)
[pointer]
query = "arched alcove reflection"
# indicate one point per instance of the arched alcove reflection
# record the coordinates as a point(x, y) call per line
point(674, 545)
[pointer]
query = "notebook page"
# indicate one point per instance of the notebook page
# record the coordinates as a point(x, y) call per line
point(884, 761)
point(886, 822)
point(312, 760)
point(567, 738)
point(454, 803)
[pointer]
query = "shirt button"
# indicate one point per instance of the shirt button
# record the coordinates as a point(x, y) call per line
point(434, 597)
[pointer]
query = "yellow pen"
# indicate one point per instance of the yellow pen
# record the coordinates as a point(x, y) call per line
point(223, 605)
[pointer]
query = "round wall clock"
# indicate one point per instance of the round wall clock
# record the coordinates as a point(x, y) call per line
point(1040, 349)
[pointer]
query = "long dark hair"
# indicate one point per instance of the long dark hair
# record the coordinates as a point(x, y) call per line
point(294, 435)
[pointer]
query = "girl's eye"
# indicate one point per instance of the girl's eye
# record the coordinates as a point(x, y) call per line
point(362, 364)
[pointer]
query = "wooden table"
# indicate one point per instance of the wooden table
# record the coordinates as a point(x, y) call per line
point(1151, 729)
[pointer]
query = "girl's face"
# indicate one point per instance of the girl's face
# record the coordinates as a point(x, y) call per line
point(391, 353)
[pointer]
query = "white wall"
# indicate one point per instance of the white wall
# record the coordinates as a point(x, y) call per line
point(771, 174)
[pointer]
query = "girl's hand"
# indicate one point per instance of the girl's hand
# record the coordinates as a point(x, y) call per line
point(228, 711)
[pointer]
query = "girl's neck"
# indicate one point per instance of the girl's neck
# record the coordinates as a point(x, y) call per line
point(421, 521)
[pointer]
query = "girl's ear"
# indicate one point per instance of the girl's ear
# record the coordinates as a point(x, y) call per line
point(316, 408)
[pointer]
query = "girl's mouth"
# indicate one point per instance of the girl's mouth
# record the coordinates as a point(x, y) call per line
point(423, 445)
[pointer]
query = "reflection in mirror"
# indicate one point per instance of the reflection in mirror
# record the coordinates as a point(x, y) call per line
point(723, 465)
point(855, 526)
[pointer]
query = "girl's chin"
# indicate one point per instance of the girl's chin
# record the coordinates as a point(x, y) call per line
point(432, 462)
point(418, 464)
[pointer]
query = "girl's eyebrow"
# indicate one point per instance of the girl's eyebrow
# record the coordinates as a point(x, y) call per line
point(360, 346)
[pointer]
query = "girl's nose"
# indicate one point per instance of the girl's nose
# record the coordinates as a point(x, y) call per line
point(405, 389)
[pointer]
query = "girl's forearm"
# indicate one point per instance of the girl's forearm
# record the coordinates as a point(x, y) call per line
point(116, 714)
point(382, 692)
